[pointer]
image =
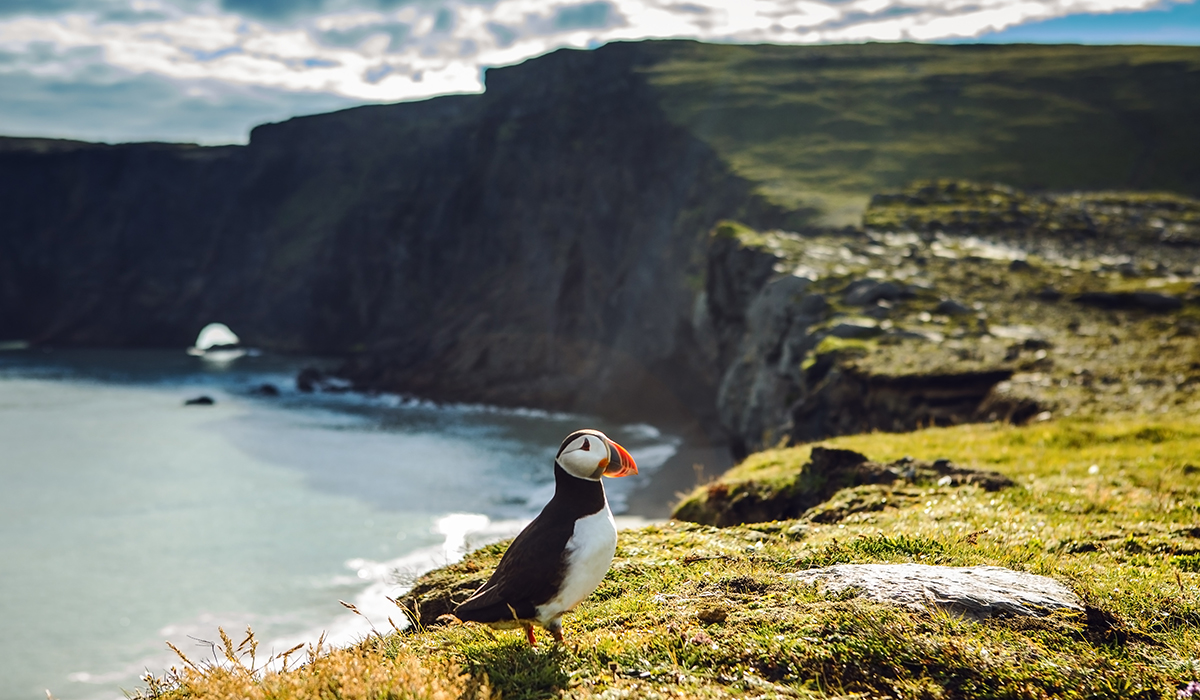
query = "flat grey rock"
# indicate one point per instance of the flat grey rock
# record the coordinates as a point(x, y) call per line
point(975, 591)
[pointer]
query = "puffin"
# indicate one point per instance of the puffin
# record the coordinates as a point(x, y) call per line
point(560, 557)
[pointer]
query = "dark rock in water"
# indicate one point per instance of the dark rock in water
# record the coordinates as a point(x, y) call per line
point(311, 379)
point(200, 401)
point(950, 307)
point(977, 592)
point(308, 379)
point(265, 390)
point(1146, 301)
point(864, 292)
point(336, 385)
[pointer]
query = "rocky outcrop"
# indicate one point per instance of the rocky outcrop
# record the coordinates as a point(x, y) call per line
point(783, 348)
point(838, 332)
point(828, 472)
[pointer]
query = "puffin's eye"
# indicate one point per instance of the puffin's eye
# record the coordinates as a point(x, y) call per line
point(587, 446)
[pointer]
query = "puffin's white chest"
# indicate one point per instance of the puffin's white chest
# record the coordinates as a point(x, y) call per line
point(589, 554)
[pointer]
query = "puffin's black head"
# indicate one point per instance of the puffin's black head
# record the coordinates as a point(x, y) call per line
point(590, 454)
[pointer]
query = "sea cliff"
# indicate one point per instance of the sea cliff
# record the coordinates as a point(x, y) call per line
point(546, 243)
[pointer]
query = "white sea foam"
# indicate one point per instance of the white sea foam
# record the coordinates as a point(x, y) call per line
point(344, 397)
point(462, 532)
point(645, 431)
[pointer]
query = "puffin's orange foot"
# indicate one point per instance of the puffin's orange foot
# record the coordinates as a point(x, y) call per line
point(557, 633)
point(529, 635)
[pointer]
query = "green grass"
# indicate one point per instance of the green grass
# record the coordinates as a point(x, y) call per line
point(828, 126)
point(691, 611)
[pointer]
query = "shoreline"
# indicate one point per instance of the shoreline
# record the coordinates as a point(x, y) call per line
point(696, 459)
point(692, 464)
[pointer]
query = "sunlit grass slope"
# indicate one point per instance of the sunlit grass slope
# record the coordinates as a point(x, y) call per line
point(690, 611)
point(827, 126)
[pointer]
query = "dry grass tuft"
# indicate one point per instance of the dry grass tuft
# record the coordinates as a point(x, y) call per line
point(375, 669)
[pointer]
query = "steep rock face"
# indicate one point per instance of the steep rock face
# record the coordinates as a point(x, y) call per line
point(103, 244)
point(535, 245)
point(570, 291)
point(764, 378)
point(782, 350)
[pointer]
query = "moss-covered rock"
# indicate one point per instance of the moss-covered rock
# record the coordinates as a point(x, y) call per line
point(805, 492)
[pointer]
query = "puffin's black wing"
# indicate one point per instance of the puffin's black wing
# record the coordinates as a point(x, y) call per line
point(529, 574)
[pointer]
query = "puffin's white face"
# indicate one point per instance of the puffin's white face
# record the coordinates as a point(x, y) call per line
point(589, 454)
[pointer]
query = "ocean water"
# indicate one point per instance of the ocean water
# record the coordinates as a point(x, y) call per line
point(128, 519)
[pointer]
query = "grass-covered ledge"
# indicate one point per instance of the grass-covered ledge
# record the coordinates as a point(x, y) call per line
point(1111, 509)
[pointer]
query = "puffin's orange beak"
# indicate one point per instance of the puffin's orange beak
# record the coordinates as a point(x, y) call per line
point(623, 465)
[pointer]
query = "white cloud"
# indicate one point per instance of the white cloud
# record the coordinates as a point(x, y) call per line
point(429, 48)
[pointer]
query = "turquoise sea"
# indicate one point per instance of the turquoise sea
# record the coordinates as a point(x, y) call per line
point(128, 519)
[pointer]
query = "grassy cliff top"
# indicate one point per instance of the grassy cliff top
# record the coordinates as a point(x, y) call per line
point(691, 611)
point(824, 127)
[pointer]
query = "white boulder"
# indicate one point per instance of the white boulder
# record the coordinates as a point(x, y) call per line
point(975, 591)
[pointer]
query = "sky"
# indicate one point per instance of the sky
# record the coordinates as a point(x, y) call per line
point(207, 71)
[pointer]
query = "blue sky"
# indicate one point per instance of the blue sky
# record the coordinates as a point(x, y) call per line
point(1168, 23)
point(206, 71)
